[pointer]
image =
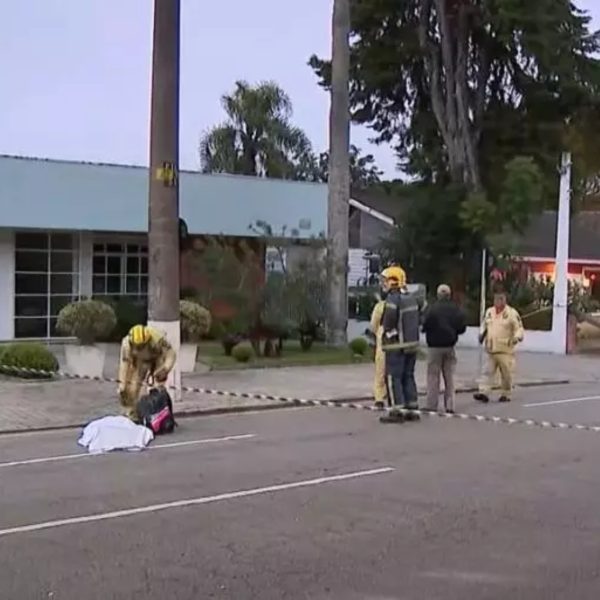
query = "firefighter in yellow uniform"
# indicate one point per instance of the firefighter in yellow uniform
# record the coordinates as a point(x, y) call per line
point(146, 358)
point(379, 387)
point(501, 331)
point(379, 383)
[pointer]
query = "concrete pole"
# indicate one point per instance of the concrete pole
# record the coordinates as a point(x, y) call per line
point(482, 307)
point(561, 267)
point(163, 221)
point(339, 177)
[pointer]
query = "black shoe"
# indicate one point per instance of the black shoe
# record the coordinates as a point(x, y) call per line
point(379, 405)
point(392, 416)
point(481, 398)
point(449, 411)
point(412, 413)
point(504, 399)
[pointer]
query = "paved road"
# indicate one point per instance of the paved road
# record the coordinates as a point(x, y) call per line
point(437, 510)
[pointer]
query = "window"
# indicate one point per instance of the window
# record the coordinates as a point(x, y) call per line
point(46, 279)
point(120, 270)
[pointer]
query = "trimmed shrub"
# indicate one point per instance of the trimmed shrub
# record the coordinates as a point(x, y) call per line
point(26, 355)
point(242, 352)
point(195, 321)
point(89, 321)
point(128, 313)
point(359, 346)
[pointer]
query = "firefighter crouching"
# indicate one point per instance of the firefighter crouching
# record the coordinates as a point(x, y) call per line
point(146, 358)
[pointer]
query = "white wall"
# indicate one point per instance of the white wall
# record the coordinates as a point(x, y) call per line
point(535, 341)
point(7, 285)
point(357, 266)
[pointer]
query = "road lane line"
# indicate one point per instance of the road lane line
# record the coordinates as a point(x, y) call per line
point(48, 459)
point(566, 401)
point(193, 501)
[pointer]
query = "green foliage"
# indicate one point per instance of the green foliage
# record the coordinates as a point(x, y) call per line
point(431, 241)
point(242, 352)
point(359, 346)
point(27, 356)
point(511, 207)
point(229, 277)
point(258, 137)
point(528, 85)
point(581, 300)
point(478, 213)
point(363, 170)
point(128, 313)
point(521, 193)
point(277, 316)
point(195, 321)
point(89, 321)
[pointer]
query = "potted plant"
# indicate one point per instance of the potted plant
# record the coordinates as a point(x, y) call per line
point(89, 321)
point(195, 323)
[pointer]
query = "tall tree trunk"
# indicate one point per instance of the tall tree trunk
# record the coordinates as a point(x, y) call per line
point(163, 218)
point(339, 176)
point(444, 38)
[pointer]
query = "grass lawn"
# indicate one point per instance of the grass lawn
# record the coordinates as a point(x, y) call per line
point(212, 354)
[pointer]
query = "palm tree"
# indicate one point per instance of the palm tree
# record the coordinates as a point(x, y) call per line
point(257, 138)
point(339, 176)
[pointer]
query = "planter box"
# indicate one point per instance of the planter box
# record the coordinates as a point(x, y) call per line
point(187, 357)
point(85, 361)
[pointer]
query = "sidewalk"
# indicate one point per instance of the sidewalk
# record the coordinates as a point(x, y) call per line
point(39, 405)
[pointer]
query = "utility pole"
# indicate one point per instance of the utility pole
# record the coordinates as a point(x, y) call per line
point(163, 202)
point(561, 265)
point(339, 176)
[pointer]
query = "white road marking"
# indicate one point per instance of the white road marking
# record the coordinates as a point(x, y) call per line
point(193, 501)
point(47, 459)
point(567, 401)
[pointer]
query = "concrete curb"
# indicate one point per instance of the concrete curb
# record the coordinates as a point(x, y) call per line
point(206, 412)
point(275, 405)
point(524, 384)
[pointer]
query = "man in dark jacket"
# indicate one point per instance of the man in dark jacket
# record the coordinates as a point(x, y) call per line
point(443, 323)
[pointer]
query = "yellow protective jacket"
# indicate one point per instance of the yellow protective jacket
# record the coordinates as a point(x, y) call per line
point(503, 331)
point(157, 357)
point(376, 317)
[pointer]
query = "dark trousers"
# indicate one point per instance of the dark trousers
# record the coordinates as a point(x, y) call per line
point(400, 378)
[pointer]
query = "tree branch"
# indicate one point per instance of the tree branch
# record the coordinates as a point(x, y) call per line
point(447, 50)
point(466, 131)
point(483, 76)
point(432, 63)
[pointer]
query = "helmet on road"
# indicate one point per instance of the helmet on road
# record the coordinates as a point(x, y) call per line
point(139, 335)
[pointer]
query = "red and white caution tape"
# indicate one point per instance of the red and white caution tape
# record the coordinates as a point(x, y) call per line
point(9, 369)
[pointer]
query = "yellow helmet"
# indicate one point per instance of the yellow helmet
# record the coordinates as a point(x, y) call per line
point(395, 275)
point(139, 335)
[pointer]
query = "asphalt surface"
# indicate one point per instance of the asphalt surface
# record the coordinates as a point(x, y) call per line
point(441, 509)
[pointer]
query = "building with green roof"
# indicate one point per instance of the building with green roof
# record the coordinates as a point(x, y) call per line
point(71, 230)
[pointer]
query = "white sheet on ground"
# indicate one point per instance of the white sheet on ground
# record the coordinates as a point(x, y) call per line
point(114, 433)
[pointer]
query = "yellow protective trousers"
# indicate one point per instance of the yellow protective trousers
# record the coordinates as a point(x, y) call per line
point(502, 363)
point(379, 383)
